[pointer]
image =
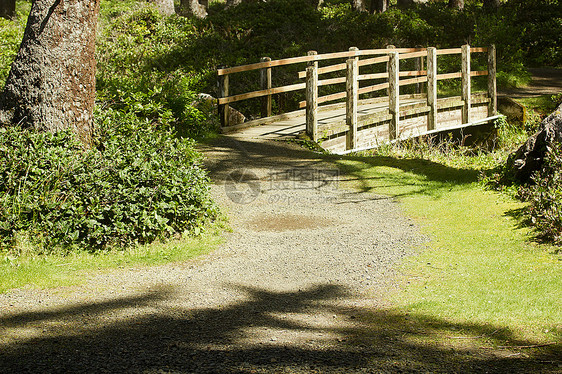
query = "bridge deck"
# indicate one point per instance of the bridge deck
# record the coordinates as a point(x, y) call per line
point(293, 125)
point(373, 122)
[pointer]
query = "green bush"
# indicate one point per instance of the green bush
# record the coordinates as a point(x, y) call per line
point(140, 183)
point(11, 33)
point(545, 197)
point(146, 66)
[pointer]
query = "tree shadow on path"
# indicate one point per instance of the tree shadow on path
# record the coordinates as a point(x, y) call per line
point(237, 338)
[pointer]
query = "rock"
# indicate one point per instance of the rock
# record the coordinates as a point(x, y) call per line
point(206, 101)
point(530, 156)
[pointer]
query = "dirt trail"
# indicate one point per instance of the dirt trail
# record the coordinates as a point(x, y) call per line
point(545, 81)
point(299, 286)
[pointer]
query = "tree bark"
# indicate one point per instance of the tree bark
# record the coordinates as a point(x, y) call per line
point(7, 8)
point(192, 7)
point(379, 6)
point(165, 7)
point(51, 85)
point(358, 5)
point(530, 156)
point(456, 4)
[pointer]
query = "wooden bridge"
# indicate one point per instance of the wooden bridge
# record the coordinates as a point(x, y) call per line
point(376, 107)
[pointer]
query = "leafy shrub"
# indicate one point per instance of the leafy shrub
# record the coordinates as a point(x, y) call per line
point(139, 184)
point(145, 67)
point(11, 33)
point(545, 197)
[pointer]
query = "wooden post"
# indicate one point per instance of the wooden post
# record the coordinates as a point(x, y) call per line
point(312, 98)
point(265, 79)
point(224, 109)
point(492, 88)
point(388, 67)
point(418, 66)
point(394, 94)
point(432, 88)
point(352, 91)
point(465, 89)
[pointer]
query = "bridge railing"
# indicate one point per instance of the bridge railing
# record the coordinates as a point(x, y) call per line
point(267, 89)
point(424, 73)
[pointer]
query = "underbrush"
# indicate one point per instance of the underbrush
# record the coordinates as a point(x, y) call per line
point(11, 34)
point(455, 151)
point(543, 192)
point(157, 65)
point(544, 197)
point(138, 184)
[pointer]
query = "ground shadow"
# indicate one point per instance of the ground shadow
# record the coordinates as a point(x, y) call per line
point(226, 154)
point(175, 340)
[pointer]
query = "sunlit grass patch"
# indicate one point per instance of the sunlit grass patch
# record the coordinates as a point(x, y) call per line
point(30, 270)
point(480, 266)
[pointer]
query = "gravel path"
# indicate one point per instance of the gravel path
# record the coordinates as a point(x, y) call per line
point(545, 81)
point(294, 288)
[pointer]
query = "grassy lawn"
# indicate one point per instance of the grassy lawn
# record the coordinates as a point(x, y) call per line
point(480, 283)
point(46, 271)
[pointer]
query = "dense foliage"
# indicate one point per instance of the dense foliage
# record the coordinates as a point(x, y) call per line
point(139, 184)
point(142, 181)
point(545, 197)
point(157, 65)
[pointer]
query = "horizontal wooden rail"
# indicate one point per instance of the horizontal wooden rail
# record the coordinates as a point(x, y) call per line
point(271, 91)
point(452, 51)
point(391, 79)
point(449, 51)
point(339, 67)
point(405, 82)
point(412, 73)
point(421, 53)
point(459, 74)
point(449, 76)
point(327, 82)
point(478, 73)
point(368, 77)
point(376, 87)
point(296, 60)
point(342, 95)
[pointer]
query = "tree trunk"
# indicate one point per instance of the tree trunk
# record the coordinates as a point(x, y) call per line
point(51, 85)
point(165, 7)
point(7, 8)
point(530, 156)
point(456, 4)
point(358, 5)
point(192, 7)
point(379, 6)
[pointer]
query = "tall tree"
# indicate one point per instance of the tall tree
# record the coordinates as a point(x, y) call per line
point(456, 4)
point(358, 5)
point(7, 8)
point(193, 7)
point(165, 7)
point(51, 85)
point(379, 6)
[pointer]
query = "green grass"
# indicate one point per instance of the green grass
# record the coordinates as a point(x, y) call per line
point(479, 268)
point(30, 270)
